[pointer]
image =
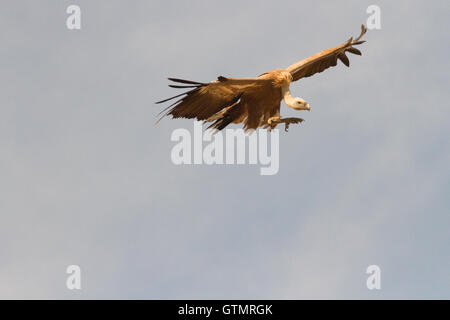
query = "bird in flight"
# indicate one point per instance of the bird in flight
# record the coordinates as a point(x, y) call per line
point(253, 101)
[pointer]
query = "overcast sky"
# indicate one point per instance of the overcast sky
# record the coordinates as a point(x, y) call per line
point(86, 177)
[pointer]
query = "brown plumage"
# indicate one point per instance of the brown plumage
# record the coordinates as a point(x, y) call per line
point(253, 101)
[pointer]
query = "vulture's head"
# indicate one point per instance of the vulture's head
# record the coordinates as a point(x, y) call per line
point(300, 104)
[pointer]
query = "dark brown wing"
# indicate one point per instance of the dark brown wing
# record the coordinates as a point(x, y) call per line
point(207, 99)
point(325, 59)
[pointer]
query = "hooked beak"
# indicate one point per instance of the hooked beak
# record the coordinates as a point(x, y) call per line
point(307, 107)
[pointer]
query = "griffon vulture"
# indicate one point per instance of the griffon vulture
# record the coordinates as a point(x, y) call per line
point(253, 101)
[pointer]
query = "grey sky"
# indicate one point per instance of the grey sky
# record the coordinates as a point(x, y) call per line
point(86, 177)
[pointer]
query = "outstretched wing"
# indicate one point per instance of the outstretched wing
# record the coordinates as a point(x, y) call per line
point(326, 58)
point(206, 99)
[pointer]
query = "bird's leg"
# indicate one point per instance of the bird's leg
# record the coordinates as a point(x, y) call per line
point(288, 121)
point(272, 122)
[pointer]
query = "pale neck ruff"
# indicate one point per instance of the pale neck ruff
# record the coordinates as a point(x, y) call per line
point(287, 97)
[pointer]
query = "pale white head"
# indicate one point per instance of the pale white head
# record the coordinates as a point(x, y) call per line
point(294, 103)
point(300, 104)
